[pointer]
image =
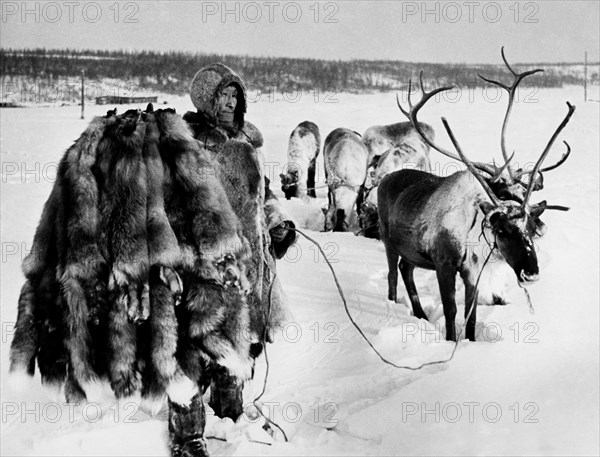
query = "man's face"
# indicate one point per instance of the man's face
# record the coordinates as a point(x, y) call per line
point(228, 100)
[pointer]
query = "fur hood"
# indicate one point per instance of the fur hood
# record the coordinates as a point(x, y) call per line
point(206, 87)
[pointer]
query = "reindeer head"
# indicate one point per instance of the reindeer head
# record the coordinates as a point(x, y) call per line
point(289, 185)
point(368, 219)
point(512, 230)
point(290, 180)
point(510, 219)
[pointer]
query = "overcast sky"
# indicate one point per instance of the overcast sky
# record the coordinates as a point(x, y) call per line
point(461, 31)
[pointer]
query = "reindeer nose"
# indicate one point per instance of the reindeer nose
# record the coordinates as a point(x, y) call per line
point(524, 277)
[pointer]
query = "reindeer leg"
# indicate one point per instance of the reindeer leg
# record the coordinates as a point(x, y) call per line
point(446, 276)
point(406, 269)
point(310, 182)
point(470, 301)
point(329, 212)
point(339, 222)
point(392, 258)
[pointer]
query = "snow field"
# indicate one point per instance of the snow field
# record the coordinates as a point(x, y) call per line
point(529, 385)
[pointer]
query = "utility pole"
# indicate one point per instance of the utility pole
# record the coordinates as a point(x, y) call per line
point(585, 78)
point(82, 94)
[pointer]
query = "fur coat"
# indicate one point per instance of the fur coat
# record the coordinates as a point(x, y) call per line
point(141, 271)
point(205, 91)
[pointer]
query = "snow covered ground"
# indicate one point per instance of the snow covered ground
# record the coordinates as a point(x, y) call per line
point(529, 386)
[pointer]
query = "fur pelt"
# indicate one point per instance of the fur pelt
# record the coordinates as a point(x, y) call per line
point(138, 267)
point(239, 170)
point(213, 319)
point(239, 167)
point(63, 291)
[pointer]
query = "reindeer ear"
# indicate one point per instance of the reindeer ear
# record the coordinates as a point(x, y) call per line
point(538, 181)
point(536, 210)
point(486, 207)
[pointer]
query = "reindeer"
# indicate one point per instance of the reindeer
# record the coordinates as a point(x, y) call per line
point(391, 147)
point(345, 157)
point(303, 149)
point(408, 150)
point(401, 137)
point(433, 222)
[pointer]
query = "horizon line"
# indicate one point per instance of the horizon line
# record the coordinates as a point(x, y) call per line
point(195, 53)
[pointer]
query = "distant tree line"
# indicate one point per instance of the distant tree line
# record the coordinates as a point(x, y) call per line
point(171, 72)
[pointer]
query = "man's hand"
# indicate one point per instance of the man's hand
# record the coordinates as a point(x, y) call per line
point(279, 232)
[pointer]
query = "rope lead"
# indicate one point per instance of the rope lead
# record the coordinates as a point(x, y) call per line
point(383, 359)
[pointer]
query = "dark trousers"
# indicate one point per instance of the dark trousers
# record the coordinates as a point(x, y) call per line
point(226, 394)
point(186, 428)
point(187, 422)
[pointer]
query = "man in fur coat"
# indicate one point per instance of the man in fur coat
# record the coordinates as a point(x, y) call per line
point(153, 265)
point(150, 271)
point(219, 96)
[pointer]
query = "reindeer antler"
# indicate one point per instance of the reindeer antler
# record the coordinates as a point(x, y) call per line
point(560, 162)
point(470, 164)
point(519, 173)
point(511, 96)
point(411, 114)
point(494, 171)
point(496, 176)
point(545, 152)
